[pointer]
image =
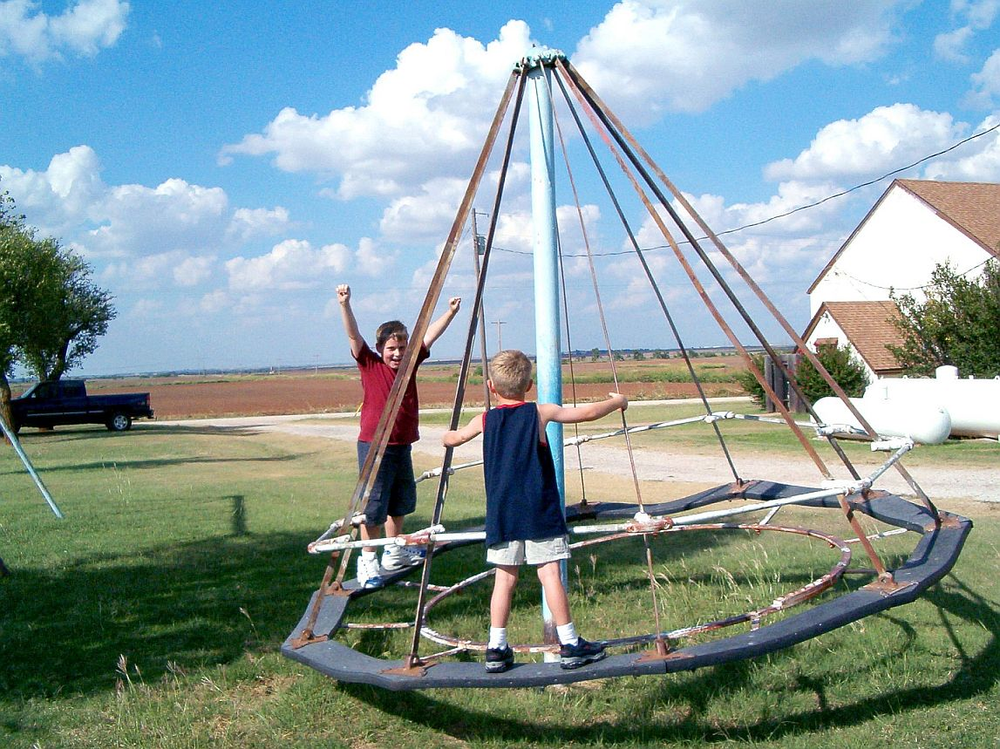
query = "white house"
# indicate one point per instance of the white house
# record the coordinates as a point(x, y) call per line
point(915, 226)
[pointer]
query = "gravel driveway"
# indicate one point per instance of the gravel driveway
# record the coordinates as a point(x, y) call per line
point(939, 483)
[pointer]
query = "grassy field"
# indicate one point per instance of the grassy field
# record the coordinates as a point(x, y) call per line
point(152, 616)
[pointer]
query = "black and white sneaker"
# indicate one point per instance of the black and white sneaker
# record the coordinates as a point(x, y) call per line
point(499, 660)
point(574, 656)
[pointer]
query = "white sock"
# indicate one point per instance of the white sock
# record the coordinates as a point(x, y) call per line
point(498, 638)
point(368, 555)
point(567, 634)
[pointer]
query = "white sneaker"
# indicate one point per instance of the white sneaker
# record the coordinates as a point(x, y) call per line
point(368, 573)
point(399, 557)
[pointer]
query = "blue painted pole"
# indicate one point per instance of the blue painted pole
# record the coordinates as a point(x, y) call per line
point(548, 349)
point(16, 443)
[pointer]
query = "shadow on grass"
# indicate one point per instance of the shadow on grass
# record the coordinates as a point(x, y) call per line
point(976, 677)
point(94, 435)
point(155, 463)
point(138, 431)
point(192, 605)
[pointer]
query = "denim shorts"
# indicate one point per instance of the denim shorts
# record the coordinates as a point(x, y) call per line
point(394, 491)
point(516, 553)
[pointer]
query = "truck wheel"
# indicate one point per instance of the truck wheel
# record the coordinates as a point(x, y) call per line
point(119, 422)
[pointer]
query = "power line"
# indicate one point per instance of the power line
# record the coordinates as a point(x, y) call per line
point(807, 206)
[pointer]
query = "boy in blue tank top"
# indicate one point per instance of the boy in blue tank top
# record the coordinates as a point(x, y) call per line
point(524, 518)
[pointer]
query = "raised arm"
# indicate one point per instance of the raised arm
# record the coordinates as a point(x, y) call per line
point(456, 437)
point(587, 412)
point(350, 323)
point(436, 328)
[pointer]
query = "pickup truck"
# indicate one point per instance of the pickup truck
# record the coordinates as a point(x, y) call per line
point(47, 404)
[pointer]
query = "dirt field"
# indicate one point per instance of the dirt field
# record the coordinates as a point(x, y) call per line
point(308, 392)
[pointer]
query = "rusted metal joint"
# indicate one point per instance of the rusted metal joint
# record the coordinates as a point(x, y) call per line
point(942, 520)
point(887, 585)
point(643, 523)
point(308, 637)
point(738, 487)
point(663, 652)
point(413, 667)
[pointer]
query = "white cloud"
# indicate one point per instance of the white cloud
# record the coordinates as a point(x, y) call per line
point(412, 123)
point(247, 223)
point(174, 215)
point(986, 83)
point(951, 46)
point(685, 55)
point(84, 28)
point(978, 16)
point(426, 215)
point(178, 269)
point(883, 139)
point(291, 264)
point(370, 261)
point(70, 201)
point(62, 196)
point(976, 161)
point(214, 301)
point(192, 271)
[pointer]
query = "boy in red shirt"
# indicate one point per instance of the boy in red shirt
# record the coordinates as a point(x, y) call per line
point(394, 492)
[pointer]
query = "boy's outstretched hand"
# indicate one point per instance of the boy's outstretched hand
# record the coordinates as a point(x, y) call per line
point(343, 293)
point(621, 402)
point(455, 303)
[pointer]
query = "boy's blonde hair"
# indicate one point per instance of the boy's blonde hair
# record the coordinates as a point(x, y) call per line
point(510, 373)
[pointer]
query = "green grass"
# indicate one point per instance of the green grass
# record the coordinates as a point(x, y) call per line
point(152, 616)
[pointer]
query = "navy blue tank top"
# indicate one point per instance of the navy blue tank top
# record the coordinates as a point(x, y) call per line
point(522, 497)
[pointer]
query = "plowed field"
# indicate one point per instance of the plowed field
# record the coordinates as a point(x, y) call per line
point(321, 391)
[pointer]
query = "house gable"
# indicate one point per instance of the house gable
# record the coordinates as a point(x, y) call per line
point(866, 327)
point(914, 226)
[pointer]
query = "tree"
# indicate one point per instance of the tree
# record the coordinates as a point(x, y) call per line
point(957, 324)
point(845, 370)
point(16, 292)
point(73, 313)
point(51, 313)
point(749, 383)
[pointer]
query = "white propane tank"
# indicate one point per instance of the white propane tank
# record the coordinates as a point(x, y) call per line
point(924, 423)
point(973, 405)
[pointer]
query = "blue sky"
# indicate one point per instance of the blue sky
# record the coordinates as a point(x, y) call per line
point(224, 166)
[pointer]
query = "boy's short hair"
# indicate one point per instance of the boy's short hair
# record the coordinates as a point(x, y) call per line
point(387, 330)
point(510, 372)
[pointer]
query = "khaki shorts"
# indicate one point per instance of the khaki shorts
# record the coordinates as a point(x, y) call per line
point(516, 553)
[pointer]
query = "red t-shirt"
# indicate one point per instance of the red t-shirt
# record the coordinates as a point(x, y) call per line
point(376, 382)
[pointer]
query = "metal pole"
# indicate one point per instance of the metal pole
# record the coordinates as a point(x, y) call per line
point(478, 248)
point(9, 433)
point(498, 323)
point(548, 350)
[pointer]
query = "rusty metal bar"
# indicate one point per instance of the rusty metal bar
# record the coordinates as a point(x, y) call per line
point(696, 283)
point(516, 75)
point(646, 269)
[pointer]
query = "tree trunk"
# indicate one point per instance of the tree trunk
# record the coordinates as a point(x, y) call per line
point(5, 412)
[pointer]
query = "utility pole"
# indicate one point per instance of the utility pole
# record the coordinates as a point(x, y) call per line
point(479, 248)
point(498, 323)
